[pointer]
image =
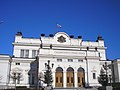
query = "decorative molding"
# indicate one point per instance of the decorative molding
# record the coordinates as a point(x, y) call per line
point(61, 39)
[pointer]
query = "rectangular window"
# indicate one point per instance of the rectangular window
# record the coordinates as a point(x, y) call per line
point(17, 63)
point(33, 53)
point(80, 60)
point(59, 60)
point(94, 76)
point(70, 60)
point(24, 53)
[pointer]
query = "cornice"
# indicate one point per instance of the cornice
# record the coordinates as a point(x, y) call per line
point(67, 56)
point(25, 60)
point(73, 46)
point(56, 45)
point(26, 44)
point(5, 57)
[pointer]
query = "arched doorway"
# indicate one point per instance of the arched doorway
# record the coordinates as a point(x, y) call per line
point(70, 77)
point(81, 77)
point(59, 77)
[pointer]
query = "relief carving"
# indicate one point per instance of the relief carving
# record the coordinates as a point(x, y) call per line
point(61, 39)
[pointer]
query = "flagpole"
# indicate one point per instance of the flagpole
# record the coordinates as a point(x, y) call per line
point(58, 26)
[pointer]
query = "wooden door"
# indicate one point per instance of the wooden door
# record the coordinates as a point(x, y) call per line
point(59, 79)
point(80, 76)
point(70, 79)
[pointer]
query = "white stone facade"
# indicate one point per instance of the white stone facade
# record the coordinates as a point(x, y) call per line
point(70, 55)
point(116, 70)
point(4, 70)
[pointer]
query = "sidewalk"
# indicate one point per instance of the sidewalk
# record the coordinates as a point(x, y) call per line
point(76, 88)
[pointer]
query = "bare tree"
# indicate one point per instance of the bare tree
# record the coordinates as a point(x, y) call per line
point(16, 76)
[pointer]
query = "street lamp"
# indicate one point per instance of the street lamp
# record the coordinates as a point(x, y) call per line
point(47, 65)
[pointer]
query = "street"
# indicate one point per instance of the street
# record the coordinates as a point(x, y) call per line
point(76, 88)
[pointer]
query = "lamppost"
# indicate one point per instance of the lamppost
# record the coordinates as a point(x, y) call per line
point(48, 73)
point(47, 65)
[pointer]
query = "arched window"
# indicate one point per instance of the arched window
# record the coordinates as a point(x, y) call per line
point(80, 69)
point(70, 69)
point(59, 69)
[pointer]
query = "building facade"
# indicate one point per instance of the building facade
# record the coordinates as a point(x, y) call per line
point(76, 63)
point(116, 70)
point(4, 70)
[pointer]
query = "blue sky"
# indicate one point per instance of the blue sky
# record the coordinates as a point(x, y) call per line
point(87, 18)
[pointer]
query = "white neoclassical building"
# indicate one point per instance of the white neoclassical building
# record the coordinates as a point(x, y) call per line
point(77, 63)
point(4, 70)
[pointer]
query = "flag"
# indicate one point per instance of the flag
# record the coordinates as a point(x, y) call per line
point(59, 26)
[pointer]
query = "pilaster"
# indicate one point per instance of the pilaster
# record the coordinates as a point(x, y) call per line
point(53, 79)
point(75, 79)
point(64, 79)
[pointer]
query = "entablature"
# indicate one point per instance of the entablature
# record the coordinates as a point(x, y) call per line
point(69, 57)
point(23, 60)
point(25, 44)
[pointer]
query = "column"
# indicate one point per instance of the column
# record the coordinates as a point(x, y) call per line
point(87, 83)
point(30, 53)
point(75, 79)
point(86, 79)
point(64, 79)
point(53, 79)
